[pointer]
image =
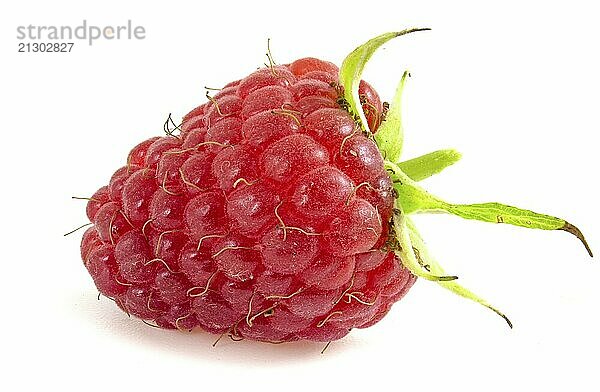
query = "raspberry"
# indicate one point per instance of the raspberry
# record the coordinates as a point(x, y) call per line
point(271, 216)
point(264, 195)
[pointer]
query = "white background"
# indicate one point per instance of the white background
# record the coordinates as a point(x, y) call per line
point(514, 86)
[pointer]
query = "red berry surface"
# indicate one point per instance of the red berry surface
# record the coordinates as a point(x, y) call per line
point(266, 218)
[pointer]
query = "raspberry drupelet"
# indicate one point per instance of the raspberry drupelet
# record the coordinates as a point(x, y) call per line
point(266, 218)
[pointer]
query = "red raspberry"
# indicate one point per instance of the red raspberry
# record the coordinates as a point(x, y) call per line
point(271, 216)
point(256, 220)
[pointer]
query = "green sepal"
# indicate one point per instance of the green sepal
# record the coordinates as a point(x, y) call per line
point(390, 135)
point(353, 66)
point(405, 250)
point(414, 199)
point(425, 166)
point(432, 266)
